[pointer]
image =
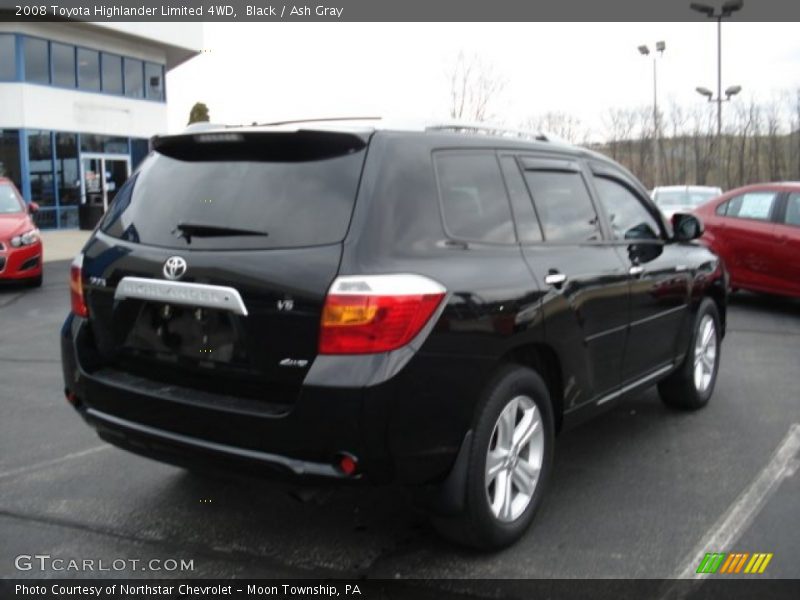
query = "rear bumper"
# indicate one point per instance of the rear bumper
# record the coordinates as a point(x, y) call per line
point(404, 430)
point(190, 451)
point(21, 263)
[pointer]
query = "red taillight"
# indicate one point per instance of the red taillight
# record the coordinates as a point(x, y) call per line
point(348, 464)
point(376, 313)
point(76, 287)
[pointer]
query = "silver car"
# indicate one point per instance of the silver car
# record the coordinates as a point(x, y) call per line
point(672, 199)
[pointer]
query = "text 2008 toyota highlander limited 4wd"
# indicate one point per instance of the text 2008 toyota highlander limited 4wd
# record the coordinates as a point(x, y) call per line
point(348, 300)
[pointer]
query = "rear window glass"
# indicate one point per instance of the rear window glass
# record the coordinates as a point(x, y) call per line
point(237, 204)
point(474, 200)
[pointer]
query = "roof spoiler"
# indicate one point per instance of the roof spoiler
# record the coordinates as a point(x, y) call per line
point(258, 146)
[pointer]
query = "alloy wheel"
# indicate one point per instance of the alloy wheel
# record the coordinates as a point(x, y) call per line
point(705, 354)
point(514, 459)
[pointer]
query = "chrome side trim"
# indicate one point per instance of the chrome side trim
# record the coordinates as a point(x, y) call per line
point(600, 334)
point(663, 313)
point(180, 292)
point(633, 384)
point(299, 467)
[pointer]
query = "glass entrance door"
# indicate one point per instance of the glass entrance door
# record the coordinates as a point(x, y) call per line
point(92, 181)
point(101, 177)
point(116, 173)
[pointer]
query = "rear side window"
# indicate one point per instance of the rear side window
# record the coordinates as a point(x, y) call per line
point(793, 210)
point(564, 207)
point(264, 194)
point(752, 205)
point(528, 228)
point(474, 200)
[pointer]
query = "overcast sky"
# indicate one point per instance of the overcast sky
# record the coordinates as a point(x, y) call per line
point(264, 71)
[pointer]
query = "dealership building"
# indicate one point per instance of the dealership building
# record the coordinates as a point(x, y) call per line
point(78, 103)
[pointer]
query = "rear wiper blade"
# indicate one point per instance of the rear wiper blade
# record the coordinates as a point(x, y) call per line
point(189, 230)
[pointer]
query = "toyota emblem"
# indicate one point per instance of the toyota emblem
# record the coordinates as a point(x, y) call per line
point(174, 268)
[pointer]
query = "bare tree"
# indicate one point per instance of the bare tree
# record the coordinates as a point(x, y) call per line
point(620, 124)
point(795, 133)
point(474, 84)
point(678, 156)
point(704, 140)
point(772, 113)
point(561, 124)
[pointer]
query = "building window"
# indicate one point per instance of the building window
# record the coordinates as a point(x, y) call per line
point(9, 156)
point(68, 66)
point(88, 70)
point(67, 176)
point(37, 61)
point(140, 148)
point(103, 144)
point(154, 79)
point(63, 58)
point(8, 52)
point(134, 84)
point(112, 73)
point(40, 160)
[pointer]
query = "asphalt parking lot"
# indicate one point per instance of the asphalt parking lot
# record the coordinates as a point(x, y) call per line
point(635, 493)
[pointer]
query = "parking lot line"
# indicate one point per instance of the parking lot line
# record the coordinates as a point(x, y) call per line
point(742, 512)
point(50, 463)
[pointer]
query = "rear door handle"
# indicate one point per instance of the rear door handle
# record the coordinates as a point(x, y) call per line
point(555, 279)
point(636, 270)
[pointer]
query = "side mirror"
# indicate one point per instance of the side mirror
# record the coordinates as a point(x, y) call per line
point(686, 227)
point(33, 208)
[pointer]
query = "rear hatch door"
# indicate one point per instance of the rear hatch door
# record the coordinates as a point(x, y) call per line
point(211, 268)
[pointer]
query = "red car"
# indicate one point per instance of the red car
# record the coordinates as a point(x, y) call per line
point(756, 230)
point(20, 243)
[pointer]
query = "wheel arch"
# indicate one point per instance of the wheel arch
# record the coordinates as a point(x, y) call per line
point(719, 294)
point(544, 360)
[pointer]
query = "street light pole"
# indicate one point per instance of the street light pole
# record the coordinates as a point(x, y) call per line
point(719, 84)
point(656, 130)
point(645, 51)
point(728, 8)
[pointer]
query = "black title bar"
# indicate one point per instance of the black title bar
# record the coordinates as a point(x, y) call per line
point(385, 10)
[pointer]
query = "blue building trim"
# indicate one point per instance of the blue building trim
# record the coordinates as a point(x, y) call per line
point(25, 166)
point(54, 169)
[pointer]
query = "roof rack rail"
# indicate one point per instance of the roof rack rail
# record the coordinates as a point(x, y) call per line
point(487, 128)
point(202, 126)
point(320, 120)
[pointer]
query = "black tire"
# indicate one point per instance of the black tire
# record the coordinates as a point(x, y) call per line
point(679, 389)
point(477, 526)
point(35, 282)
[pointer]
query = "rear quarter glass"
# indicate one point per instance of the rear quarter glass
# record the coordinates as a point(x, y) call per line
point(292, 200)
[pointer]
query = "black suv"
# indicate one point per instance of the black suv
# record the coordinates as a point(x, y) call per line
point(348, 300)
